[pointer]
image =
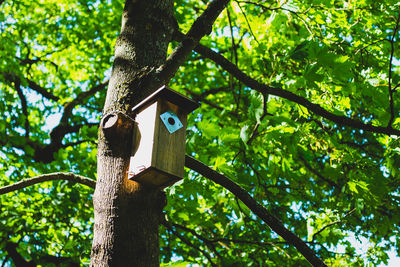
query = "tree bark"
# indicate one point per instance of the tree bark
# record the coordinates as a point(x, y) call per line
point(127, 214)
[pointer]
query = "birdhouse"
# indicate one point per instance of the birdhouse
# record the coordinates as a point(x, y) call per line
point(158, 151)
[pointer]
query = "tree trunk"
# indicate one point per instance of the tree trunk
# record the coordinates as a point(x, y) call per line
point(126, 213)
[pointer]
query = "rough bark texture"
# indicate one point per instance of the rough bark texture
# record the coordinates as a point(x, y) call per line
point(126, 213)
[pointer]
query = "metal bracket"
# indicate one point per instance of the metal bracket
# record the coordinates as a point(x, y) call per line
point(171, 121)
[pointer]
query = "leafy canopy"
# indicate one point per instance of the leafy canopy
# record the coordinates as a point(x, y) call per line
point(324, 180)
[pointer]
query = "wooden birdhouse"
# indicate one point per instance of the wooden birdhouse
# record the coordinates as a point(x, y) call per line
point(158, 152)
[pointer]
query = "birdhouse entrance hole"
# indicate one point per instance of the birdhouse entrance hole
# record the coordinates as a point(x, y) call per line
point(171, 121)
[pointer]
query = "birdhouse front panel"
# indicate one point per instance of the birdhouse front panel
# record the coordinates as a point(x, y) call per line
point(169, 148)
point(159, 154)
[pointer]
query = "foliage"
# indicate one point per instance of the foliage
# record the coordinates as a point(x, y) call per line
point(322, 179)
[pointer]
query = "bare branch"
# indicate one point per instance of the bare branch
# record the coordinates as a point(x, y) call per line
point(202, 26)
point(255, 129)
point(45, 153)
point(368, 45)
point(203, 95)
point(258, 209)
point(68, 176)
point(58, 132)
point(202, 98)
point(395, 88)
point(234, 54)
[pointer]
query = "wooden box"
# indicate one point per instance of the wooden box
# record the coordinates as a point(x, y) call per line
point(158, 151)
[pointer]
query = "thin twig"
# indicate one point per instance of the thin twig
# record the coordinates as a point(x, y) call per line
point(330, 224)
point(280, 8)
point(187, 242)
point(207, 241)
point(248, 23)
point(318, 174)
point(391, 91)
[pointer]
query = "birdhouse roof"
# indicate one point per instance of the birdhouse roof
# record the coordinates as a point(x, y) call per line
point(172, 96)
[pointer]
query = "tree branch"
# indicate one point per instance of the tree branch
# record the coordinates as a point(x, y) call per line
point(44, 260)
point(248, 23)
point(58, 132)
point(280, 92)
point(329, 225)
point(203, 99)
point(68, 107)
point(212, 91)
point(207, 241)
point(258, 209)
point(234, 47)
point(202, 26)
point(44, 153)
point(318, 174)
point(18, 260)
point(187, 242)
point(249, 242)
point(78, 143)
point(33, 85)
point(17, 86)
point(223, 240)
point(75, 178)
point(391, 90)
point(323, 228)
point(279, 8)
point(41, 90)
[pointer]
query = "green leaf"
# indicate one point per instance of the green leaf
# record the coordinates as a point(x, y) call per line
point(244, 134)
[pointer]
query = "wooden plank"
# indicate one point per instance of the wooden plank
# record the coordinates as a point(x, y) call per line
point(169, 149)
point(153, 176)
point(143, 139)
